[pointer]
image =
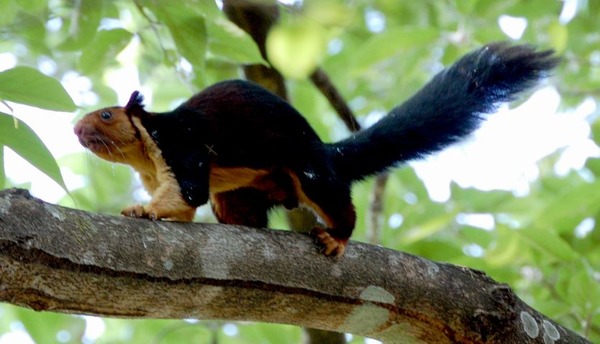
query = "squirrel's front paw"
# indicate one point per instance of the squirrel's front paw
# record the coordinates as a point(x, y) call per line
point(328, 244)
point(138, 211)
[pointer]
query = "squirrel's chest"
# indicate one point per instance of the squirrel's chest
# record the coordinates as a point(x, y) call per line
point(150, 182)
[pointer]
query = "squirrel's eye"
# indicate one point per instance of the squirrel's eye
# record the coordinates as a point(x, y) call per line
point(105, 115)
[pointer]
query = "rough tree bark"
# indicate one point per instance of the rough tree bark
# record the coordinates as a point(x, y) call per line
point(64, 260)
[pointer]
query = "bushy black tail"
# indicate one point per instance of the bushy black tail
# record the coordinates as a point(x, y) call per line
point(446, 110)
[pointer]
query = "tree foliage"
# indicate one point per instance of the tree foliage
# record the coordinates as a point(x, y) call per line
point(543, 242)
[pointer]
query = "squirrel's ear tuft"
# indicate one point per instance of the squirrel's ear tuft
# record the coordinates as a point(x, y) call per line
point(135, 105)
point(135, 101)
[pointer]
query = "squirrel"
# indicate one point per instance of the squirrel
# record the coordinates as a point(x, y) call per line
point(247, 150)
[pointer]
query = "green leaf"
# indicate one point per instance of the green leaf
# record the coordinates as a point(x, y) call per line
point(566, 211)
point(583, 291)
point(83, 27)
point(478, 236)
point(188, 29)
point(155, 331)
point(296, 49)
point(436, 249)
point(108, 188)
point(21, 139)
point(190, 38)
point(28, 86)
point(33, 6)
point(229, 42)
point(549, 242)
point(268, 333)
point(330, 14)
point(428, 228)
point(391, 43)
point(103, 50)
point(466, 6)
point(33, 31)
point(593, 164)
point(9, 12)
point(505, 249)
point(208, 8)
point(2, 171)
point(559, 35)
point(596, 131)
point(43, 327)
point(474, 200)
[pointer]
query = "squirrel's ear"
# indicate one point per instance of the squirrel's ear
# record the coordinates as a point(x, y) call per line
point(135, 103)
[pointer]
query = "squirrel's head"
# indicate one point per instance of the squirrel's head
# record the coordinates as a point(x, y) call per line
point(113, 133)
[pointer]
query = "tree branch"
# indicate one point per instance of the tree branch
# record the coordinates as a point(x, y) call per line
point(65, 260)
point(322, 81)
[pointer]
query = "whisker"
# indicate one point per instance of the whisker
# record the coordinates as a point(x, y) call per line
point(106, 146)
point(118, 149)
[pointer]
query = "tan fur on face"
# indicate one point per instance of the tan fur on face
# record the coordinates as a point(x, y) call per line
point(113, 140)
